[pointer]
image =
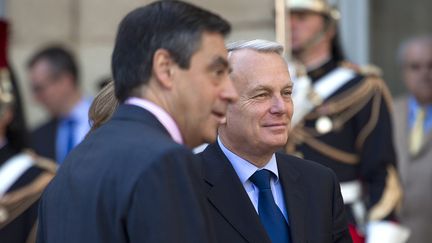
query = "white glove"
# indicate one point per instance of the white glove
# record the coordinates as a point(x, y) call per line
point(386, 232)
point(302, 106)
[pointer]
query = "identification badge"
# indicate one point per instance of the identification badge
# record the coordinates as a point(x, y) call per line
point(324, 125)
point(3, 214)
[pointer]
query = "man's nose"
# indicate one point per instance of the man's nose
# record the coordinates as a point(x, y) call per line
point(230, 92)
point(279, 105)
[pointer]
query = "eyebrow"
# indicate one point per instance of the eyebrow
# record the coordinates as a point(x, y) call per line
point(261, 88)
point(264, 87)
point(219, 62)
point(290, 85)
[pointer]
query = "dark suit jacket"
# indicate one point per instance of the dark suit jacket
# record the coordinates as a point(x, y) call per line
point(311, 191)
point(43, 139)
point(126, 182)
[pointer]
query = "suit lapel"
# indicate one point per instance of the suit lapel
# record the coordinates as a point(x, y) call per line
point(51, 139)
point(228, 196)
point(427, 140)
point(403, 119)
point(294, 198)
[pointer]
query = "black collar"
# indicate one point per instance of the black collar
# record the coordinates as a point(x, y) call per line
point(322, 70)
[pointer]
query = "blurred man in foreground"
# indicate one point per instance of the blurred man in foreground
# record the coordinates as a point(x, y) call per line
point(132, 179)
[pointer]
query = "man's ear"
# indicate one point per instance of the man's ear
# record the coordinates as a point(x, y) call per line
point(331, 31)
point(6, 118)
point(163, 66)
point(67, 79)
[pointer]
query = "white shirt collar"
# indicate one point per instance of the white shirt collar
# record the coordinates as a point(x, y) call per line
point(245, 169)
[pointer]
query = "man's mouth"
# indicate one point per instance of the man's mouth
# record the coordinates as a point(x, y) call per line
point(219, 115)
point(276, 126)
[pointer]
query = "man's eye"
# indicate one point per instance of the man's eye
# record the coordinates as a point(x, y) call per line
point(220, 72)
point(287, 93)
point(260, 95)
point(414, 66)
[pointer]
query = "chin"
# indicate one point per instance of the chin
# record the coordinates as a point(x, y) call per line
point(209, 138)
point(278, 142)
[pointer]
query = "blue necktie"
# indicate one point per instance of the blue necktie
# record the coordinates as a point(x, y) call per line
point(68, 126)
point(270, 215)
point(70, 123)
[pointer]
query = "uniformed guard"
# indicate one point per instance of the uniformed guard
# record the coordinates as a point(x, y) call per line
point(23, 175)
point(342, 120)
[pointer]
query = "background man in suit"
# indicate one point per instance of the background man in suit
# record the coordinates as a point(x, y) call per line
point(413, 136)
point(132, 180)
point(54, 80)
point(257, 195)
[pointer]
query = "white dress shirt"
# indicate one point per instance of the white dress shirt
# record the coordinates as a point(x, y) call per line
point(245, 170)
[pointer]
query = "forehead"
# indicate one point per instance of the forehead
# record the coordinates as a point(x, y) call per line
point(418, 50)
point(41, 68)
point(305, 14)
point(252, 69)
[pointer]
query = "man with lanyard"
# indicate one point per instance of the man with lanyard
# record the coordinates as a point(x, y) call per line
point(342, 120)
point(413, 135)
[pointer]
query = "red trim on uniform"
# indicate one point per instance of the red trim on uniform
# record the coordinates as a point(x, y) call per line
point(3, 43)
point(356, 236)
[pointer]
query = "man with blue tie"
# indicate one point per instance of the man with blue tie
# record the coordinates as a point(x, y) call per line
point(54, 80)
point(256, 194)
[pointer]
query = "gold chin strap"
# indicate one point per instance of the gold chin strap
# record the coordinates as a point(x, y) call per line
point(329, 22)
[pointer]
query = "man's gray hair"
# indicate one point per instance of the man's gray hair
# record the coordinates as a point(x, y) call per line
point(256, 45)
point(425, 39)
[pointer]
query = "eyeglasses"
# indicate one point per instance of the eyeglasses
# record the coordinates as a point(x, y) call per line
point(41, 87)
point(417, 66)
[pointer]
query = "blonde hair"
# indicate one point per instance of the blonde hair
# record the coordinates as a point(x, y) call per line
point(103, 106)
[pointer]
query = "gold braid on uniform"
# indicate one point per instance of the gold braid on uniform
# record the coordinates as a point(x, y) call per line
point(391, 197)
point(42, 162)
point(342, 108)
point(349, 158)
point(16, 202)
point(33, 233)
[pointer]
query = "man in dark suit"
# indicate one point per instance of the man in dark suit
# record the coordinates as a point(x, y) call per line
point(132, 180)
point(256, 194)
point(54, 80)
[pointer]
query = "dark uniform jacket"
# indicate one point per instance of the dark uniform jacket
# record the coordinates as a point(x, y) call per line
point(43, 139)
point(128, 181)
point(359, 146)
point(312, 197)
point(18, 206)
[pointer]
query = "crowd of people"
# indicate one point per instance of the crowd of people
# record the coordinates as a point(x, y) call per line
point(310, 149)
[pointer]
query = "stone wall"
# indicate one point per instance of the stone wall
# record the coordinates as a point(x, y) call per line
point(392, 21)
point(88, 27)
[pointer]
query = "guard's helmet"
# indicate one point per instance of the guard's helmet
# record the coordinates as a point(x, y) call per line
point(317, 6)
